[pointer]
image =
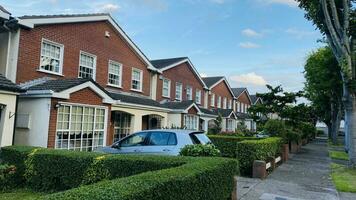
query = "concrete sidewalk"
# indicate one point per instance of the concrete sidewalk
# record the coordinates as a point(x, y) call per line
point(305, 176)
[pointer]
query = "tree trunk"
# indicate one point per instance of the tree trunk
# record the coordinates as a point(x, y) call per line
point(329, 130)
point(335, 122)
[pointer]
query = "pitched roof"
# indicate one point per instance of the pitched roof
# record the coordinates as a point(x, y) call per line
point(254, 98)
point(7, 85)
point(242, 115)
point(223, 112)
point(210, 81)
point(162, 63)
point(62, 15)
point(58, 85)
point(126, 98)
point(238, 91)
point(4, 10)
point(207, 111)
point(178, 105)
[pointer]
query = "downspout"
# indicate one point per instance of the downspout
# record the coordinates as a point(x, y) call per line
point(16, 106)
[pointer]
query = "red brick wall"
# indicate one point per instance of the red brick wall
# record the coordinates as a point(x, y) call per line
point(243, 98)
point(84, 96)
point(185, 75)
point(88, 37)
point(221, 89)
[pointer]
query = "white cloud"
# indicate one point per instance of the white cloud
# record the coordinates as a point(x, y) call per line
point(108, 8)
point(249, 78)
point(251, 33)
point(300, 33)
point(203, 75)
point(291, 3)
point(249, 45)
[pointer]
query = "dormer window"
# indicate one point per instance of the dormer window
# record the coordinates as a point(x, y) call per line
point(51, 57)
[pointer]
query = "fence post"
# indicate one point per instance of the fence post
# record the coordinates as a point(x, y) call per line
point(234, 192)
point(285, 152)
point(259, 169)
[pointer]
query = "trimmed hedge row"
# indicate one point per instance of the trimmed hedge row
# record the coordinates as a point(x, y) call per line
point(250, 150)
point(122, 176)
point(207, 179)
point(227, 144)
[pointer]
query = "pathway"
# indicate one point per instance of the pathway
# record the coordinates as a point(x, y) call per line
point(305, 176)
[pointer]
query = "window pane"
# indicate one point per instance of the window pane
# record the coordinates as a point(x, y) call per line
point(134, 140)
point(51, 57)
point(160, 138)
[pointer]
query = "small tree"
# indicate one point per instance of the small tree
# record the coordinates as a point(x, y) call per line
point(218, 124)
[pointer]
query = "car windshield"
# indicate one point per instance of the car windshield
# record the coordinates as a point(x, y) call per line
point(200, 138)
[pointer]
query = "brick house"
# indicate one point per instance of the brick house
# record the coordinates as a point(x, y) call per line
point(242, 104)
point(182, 90)
point(87, 83)
point(220, 100)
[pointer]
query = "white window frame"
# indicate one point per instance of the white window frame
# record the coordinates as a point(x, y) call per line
point(230, 104)
point(168, 89)
point(219, 102)
point(94, 63)
point(198, 96)
point(191, 122)
point(238, 104)
point(190, 89)
point(61, 56)
point(180, 92)
point(224, 102)
point(212, 100)
point(229, 124)
point(140, 81)
point(70, 105)
point(120, 75)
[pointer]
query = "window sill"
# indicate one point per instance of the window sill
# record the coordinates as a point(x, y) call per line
point(135, 90)
point(115, 86)
point(167, 97)
point(49, 72)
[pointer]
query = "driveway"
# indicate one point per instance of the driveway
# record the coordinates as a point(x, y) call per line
point(305, 176)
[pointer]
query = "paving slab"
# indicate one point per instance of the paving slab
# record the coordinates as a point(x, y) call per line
point(305, 176)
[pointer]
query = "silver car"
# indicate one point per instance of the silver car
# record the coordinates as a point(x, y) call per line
point(157, 142)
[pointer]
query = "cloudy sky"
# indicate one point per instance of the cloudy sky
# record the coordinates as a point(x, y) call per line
point(251, 42)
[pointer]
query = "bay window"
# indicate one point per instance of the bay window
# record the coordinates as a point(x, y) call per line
point(230, 125)
point(191, 122)
point(80, 128)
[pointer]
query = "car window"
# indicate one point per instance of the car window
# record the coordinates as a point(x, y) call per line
point(199, 138)
point(162, 138)
point(137, 139)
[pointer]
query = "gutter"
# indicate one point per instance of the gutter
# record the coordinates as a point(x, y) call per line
point(15, 120)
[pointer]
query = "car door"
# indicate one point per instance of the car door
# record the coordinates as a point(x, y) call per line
point(161, 143)
point(133, 143)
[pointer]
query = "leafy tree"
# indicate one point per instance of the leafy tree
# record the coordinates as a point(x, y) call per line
point(323, 87)
point(218, 124)
point(336, 21)
point(275, 101)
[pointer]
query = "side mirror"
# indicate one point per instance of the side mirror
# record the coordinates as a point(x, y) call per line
point(116, 145)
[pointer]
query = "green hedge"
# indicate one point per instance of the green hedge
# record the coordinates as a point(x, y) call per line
point(17, 155)
point(102, 176)
point(250, 150)
point(227, 144)
point(205, 179)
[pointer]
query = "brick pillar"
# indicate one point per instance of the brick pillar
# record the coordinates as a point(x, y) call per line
point(259, 169)
point(234, 192)
point(294, 147)
point(285, 152)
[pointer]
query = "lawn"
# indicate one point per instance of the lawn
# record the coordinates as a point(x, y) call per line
point(339, 155)
point(343, 178)
point(22, 194)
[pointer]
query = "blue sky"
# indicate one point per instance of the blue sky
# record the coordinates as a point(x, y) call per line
point(251, 42)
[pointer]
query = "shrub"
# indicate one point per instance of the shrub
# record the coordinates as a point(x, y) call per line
point(7, 176)
point(17, 155)
point(227, 144)
point(200, 178)
point(200, 150)
point(275, 128)
point(293, 135)
point(127, 176)
point(307, 130)
point(250, 150)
